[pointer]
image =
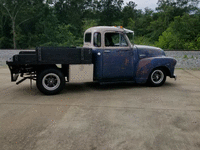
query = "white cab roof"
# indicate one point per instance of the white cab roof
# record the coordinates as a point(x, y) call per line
point(108, 28)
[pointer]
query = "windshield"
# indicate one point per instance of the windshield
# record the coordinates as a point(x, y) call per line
point(131, 37)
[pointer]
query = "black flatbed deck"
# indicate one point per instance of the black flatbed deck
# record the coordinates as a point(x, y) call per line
point(53, 55)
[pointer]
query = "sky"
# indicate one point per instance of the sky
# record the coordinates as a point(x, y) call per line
point(141, 4)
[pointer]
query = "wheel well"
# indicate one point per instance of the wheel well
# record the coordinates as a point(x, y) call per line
point(167, 71)
point(64, 69)
point(44, 67)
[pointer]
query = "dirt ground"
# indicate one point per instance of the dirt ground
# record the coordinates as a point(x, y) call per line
point(89, 116)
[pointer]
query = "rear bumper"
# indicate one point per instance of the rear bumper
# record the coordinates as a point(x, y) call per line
point(14, 71)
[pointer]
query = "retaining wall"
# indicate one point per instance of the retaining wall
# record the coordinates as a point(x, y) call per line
point(185, 59)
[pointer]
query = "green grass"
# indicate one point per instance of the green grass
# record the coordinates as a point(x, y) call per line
point(185, 57)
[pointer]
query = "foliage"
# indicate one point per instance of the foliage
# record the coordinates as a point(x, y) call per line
point(89, 23)
point(185, 57)
point(24, 24)
point(19, 12)
point(62, 37)
point(181, 34)
point(142, 40)
point(110, 11)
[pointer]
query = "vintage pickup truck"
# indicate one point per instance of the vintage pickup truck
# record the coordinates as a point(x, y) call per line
point(106, 56)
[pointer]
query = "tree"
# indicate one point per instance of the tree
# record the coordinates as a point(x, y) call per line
point(167, 11)
point(182, 33)
point(110, 11)
point(72, 12)
point(143, 22)
point(18, 12)
point(156, 28)
point(129, 12)
point(4, 30)
point(170, 9)
point(27, 33)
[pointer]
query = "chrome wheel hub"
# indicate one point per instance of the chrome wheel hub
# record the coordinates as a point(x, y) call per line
point(157, 76)
point(51, 81)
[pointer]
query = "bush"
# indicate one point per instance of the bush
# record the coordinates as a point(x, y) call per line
point(54, 44)
point(62, 37)
point(142, 40)
point(181, 34)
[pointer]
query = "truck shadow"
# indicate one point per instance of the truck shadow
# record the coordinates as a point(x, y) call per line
point(113, 86)
point(75, 88)
point(117, 86)
point(90, 86)
point(95, 86)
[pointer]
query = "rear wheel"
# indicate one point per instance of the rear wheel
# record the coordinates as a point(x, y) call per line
point(157, 77)
point(50, 81)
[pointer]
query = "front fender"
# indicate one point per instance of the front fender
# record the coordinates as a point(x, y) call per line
point(146, 65)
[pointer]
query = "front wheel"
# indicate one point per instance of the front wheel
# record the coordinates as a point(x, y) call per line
point(50, 81)
point(157, 77)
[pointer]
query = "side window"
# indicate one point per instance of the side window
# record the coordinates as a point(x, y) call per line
point(88, 37)
point(112, 39)
point(115, 39)
point(97, 39)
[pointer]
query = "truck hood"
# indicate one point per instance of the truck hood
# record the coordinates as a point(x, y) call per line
point(149, 51)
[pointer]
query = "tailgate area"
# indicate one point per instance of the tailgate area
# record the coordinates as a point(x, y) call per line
point(28, 62)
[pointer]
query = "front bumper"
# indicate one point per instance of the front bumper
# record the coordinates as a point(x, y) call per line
point(174, 76)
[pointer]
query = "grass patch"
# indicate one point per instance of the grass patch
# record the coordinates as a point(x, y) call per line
point(185, 57)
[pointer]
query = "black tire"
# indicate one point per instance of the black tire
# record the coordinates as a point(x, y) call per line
point(157, 77)
point(50, 81)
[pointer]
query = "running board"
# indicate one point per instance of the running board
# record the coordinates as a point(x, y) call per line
point(115, 82)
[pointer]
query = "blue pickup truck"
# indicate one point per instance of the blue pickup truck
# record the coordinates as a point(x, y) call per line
point(106, 56)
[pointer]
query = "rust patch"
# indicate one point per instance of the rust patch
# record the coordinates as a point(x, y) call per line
point(143, 67)
point(126, 61)
point(143, 63)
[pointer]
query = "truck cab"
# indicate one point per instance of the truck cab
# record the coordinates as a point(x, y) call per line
point(113, 53)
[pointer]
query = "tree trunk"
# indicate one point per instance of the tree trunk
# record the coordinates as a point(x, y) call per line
point(14, 34)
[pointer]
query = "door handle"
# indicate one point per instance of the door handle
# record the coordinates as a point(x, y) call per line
point(107, 51)
point(142, 55)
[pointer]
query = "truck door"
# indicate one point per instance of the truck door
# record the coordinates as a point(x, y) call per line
point(117, 57)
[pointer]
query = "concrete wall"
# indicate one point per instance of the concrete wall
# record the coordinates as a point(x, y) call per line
point(185, 59)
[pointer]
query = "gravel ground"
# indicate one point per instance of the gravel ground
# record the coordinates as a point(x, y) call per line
point(185, 59)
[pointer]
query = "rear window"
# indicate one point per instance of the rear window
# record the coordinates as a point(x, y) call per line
point(97, 39)
point(88, 37)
